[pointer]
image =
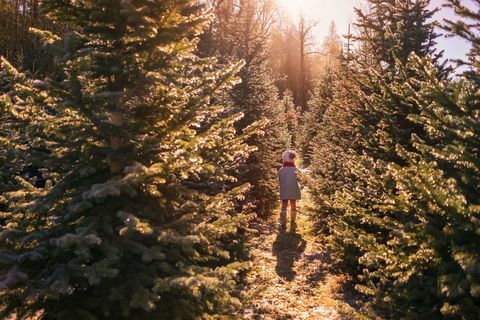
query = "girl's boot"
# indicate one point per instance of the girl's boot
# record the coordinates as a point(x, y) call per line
point(293, 217)
point(283, 218)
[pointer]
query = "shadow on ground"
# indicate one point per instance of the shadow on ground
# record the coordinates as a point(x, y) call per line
point(287, 247)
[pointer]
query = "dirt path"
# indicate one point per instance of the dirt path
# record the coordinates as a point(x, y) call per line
point(292, 277)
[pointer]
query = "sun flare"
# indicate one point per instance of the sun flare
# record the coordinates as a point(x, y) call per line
point(294, 8)
point(323, 12)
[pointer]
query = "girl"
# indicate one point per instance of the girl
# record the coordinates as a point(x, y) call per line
point(289, 188)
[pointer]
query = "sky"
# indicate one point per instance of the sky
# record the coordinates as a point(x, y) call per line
point(342, 13)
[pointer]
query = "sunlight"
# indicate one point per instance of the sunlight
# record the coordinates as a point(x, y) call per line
point(294, 8)
point(322, 12)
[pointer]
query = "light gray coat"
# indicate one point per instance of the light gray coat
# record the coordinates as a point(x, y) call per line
point(289, 188)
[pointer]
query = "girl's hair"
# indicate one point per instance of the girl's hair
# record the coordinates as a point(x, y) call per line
point(288, 156)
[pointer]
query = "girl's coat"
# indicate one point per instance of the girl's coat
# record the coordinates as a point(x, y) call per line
point(289, 188)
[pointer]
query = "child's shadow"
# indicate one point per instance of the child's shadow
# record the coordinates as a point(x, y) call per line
point(288, 248)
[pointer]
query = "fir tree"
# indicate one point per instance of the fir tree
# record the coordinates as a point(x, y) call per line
point(292, 113)
point(393, 29)
point(335, 141)
point(331, 48)
point(437, 186)
point(402, 219)
point(435, 258)
point(311, 124)
point(139, 213)
point(428, 208)
point(17, 44)
point(242, 32)
point(370, 231)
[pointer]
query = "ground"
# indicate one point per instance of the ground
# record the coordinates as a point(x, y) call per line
point(292, 276)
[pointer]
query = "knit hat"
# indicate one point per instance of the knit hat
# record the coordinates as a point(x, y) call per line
point(288, 156)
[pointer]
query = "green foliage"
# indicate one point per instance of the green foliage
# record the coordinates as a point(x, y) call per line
point(241, 31)
point(393, 29)
point(262, 104)
point(140, 214)
point(417, 238)
point(334, 143)
point(403, 205)
point(292, 116)
point(441, 185)
point(318, 104)
point(17, 44)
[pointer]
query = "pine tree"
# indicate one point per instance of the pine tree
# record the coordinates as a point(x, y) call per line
point(311, 122)
point(332, 48)
point(428, 208)
point(439, 184)
point(292, 114)
point(379, 240)
point(262, 167)
point(140, 215)
point(465, 30)
point(322, 94)
point(242, 32)
point(17, 44)
point(392, 29)
point(335, 141)
point(439, 189)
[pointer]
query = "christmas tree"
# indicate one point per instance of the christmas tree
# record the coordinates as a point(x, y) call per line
point(334, 142)
point(377, 237)
point(320, 100)
point(292, 114)
point(140, 215)
point(438, 190)
point(437, 186)
point(241, 32)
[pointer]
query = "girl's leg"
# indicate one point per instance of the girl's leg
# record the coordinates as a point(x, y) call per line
point(293, 213)
point(283, 213)
point(293, 205)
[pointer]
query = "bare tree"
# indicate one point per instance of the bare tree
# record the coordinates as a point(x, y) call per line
point(305, 30)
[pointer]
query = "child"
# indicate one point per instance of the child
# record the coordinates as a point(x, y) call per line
point(289, 188)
